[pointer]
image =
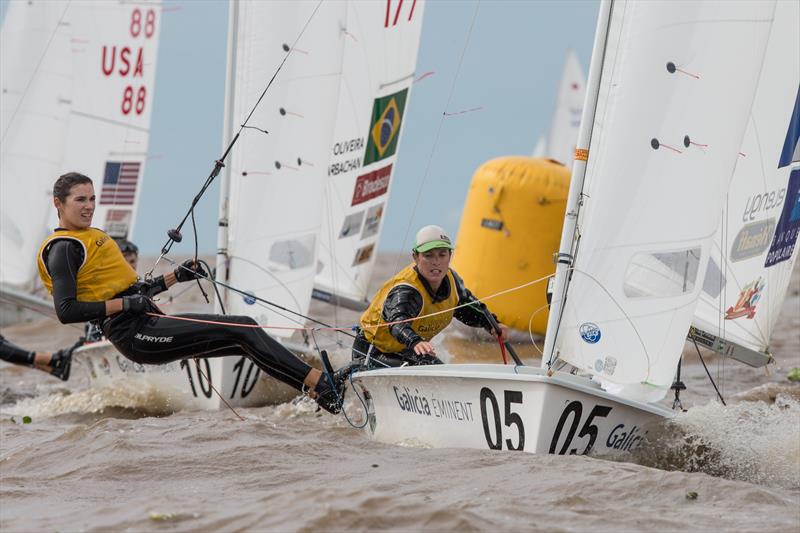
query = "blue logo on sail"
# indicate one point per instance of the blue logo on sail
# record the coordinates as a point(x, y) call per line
point(791, 146)
point(590, 332)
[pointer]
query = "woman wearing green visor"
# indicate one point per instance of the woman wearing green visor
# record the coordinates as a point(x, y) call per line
point(427, 289)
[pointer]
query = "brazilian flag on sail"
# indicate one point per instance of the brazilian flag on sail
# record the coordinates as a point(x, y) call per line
point(384, 130)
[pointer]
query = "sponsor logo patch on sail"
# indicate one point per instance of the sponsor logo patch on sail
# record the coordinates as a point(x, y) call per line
point(351, 225)
point(590, 332)
point(752, 239)
point(371, 185)
point(373, 222)
point(607, 365)
point(745, 305)
point(363, 254)
point(117, 222)
point(384, 130)
point(785, 238)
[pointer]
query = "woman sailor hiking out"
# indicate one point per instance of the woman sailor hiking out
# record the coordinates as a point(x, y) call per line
point(418, 303)
point(91, 281)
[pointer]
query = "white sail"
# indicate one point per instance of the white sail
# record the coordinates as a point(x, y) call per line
point(34, 107)
point(114, 47)
point(275, 181)
point(540, 150)
point(380, 56)
point(677, 83)
point(754, 249)
point(567, 115)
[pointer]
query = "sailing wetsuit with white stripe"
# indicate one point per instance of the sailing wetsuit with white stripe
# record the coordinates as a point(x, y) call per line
point(157, 340)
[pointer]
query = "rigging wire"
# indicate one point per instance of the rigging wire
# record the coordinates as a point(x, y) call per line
point(435, 144)
point(174, 235)
point(273, 276)
point(259, 299)
point(708, 373)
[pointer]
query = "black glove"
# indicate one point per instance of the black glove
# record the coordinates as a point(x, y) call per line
point(156, 286)
point(189, 270)
point(136, 303)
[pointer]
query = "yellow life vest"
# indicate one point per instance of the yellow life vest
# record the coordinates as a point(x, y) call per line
point(104, 272)
point(426, 327)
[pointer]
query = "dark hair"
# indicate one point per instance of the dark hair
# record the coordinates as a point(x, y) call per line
point(127, 247)
point(66, 182)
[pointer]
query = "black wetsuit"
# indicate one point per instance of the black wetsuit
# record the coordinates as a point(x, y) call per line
point(14, 354)
point(404, 302)
point(157, 340)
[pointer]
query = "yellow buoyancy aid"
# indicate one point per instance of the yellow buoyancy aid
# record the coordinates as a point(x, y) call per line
point(426, 326)
point(104, 272)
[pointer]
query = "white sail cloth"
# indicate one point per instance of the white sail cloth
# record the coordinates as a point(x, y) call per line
point(276, 179)
point(560, 141)
point(746, 280)
point(676, 87)
point(380, 56)
point(35, 73)
point(114, 51)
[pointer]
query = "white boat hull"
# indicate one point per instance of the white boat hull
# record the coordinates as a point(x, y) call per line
point(179, 385)
point(498, 407)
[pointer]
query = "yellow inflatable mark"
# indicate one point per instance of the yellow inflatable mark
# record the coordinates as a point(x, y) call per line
point(510, 229)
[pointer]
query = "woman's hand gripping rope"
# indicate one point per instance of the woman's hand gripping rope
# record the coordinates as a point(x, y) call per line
point(190, 270)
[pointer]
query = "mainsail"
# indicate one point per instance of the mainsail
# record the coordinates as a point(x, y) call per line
point(754, 248)
point(273, 186)
point(114, 47)
point(34, 106)
point(380, 56)
point(672, 103)
point(560, 141)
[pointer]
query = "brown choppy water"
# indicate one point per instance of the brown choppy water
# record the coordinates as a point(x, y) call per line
point(112, 459)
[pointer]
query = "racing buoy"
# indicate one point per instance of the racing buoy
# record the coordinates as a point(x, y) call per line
point(510, 229)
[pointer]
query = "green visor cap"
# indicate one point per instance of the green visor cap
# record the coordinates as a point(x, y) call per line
point(431, 237)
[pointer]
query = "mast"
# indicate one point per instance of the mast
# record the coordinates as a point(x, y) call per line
point(564, 258)
point(222, 230)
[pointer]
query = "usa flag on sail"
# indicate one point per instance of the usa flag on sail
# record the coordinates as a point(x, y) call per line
point(119, 183)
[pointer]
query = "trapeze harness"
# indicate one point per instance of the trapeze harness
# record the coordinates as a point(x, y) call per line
point(82, 269)
point(406, 296)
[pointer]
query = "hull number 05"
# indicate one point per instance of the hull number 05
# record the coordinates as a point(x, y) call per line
point(574, 410)
point(494, 436)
